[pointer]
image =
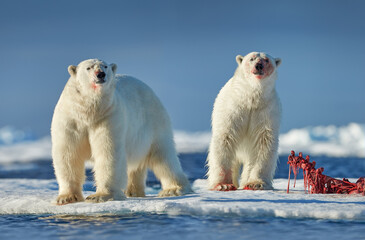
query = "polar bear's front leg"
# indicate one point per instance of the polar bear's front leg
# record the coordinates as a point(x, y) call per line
point(221, 160)
point(259, 170)
point(70, 149)
point(110, 167)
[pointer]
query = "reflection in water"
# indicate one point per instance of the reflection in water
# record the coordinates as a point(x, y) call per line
point(97, 219)
point(104, 222)
point(128, 224)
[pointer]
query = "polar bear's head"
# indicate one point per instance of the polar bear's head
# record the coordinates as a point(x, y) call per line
point(93, 73)
point(257, 65)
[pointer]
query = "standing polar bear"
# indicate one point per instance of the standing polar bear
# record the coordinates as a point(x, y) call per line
point(245, 126)
point(120, 124)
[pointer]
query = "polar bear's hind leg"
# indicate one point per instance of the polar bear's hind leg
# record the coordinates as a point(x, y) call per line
point(136, 183)
point(166, 167)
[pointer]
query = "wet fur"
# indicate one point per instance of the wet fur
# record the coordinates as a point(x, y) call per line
point(245, 128)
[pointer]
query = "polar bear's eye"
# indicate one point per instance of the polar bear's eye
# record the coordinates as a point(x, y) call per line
point(251, 59)
point(88, 68)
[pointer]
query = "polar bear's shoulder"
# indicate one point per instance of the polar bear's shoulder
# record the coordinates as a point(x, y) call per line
point(128, 86)
point(123, 78)
point(126, 81)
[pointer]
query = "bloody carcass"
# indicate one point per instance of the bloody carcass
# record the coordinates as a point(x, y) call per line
point(316, 182)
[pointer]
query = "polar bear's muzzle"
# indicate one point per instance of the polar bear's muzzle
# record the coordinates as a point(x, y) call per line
point(100, 77)
point(258, 69)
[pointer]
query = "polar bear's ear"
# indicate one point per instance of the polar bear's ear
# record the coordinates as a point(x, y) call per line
point(72, 70)
point(114, 67)
point(239, 59)
point(277, 61)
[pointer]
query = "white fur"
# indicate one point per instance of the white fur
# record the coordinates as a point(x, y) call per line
point(245, 127)
point(122, 127)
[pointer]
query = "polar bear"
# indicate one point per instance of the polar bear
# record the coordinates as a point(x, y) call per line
point(245, 127)
point(119, 123)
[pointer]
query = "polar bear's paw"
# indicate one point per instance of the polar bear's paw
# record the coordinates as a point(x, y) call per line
point(134, 193)
point(171, 192)
point(99, 197)
point(257, 185)
point(69, 198)
point(225, 187)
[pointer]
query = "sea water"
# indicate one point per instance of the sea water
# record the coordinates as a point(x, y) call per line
point(162, 226)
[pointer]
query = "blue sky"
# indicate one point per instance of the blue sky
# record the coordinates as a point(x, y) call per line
point(185, 50)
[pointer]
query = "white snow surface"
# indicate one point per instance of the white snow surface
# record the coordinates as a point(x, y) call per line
point(330, 140)
point(27, 196)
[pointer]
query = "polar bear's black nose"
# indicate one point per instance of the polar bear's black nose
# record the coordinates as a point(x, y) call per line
point(259, 66)
point(101, 75)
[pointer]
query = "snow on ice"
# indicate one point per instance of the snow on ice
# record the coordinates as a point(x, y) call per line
point(27, 196)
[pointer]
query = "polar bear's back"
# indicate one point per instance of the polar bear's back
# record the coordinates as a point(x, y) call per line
point(126, 81)
point(141, 103)
point(144, 119)
point(129, 82)
point(136, 92)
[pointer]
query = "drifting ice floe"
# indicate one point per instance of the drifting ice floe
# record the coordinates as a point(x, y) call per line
point(27, 196)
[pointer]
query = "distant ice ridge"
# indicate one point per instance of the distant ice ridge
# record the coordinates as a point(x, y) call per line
point(10, 135)
point(325, 140)
point(330, 140)
point(187, 142)
point(26, 151)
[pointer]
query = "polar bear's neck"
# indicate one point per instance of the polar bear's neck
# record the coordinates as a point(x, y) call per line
point(253, 95)
point(90, 105)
